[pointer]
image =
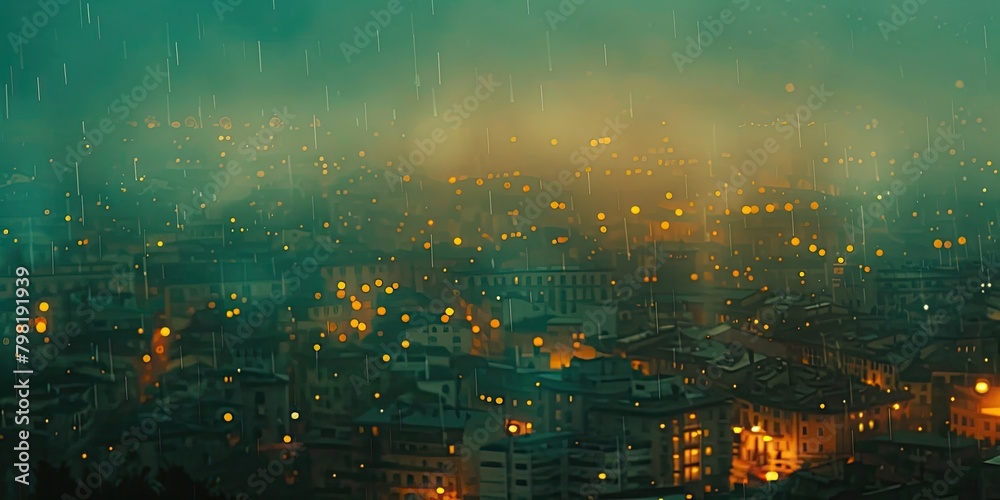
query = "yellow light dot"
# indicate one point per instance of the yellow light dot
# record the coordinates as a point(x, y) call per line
point(601, 216)
point(494, 323)
point(165, 332)
point(386, 358)
point(938, 243)
point(694, 276)
point(146, 358)
point(635, 210)
point(537, 342)
point(457, 241)
point(795, 241)
point(664, 225)
point(228, 417)
point(850, 248)
point(295, 415)
point(678, 212)
point(287, 439)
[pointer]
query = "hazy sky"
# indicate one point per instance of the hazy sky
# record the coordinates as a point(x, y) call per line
point(776, 42)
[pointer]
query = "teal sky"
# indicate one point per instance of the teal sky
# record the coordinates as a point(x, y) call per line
point(776, 42)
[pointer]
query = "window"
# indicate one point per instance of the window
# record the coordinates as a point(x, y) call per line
point(805, 431)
